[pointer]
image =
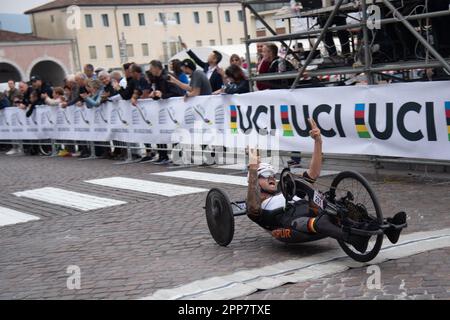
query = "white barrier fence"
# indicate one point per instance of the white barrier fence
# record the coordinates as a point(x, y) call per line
point(400, 120)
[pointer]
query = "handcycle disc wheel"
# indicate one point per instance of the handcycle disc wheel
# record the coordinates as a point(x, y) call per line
point(287, 184)
point(363, 206)
point(219, 216)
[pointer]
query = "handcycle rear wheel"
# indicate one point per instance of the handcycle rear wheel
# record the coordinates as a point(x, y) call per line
point(364, 197)
point(219, 216)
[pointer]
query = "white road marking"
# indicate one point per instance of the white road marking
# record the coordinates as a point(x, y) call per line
point(202, 176)
point(10, 216)
point(70, 199)
point(246, 282)
point(164, 189)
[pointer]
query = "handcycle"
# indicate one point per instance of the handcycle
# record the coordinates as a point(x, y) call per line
point(350, 201)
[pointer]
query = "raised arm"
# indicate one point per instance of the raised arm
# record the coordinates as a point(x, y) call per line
point(196, 59)
point(316, 161)
point(253, 191)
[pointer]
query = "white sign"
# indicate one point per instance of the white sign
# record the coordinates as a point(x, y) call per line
point(400, 120)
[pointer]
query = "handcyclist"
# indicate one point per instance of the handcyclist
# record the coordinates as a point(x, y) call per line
point(298, 222)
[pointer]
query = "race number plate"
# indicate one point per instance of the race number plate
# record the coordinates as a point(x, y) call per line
point(318, 199)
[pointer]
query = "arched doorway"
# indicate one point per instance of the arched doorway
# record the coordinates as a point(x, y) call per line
point(50, 72)
point(9, 72)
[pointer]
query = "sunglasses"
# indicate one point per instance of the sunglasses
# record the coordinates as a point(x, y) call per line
point(267, 175)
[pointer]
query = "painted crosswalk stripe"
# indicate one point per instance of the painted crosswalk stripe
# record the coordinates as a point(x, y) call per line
point(202, 176)
point(163, 189)
point(10, 216)
point(246, 282)
point(70, 199)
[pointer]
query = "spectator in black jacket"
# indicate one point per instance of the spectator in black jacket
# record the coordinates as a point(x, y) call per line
point(127, 92)
point(238, 82)
point(159, 79)
point(210, 68)
point(142, 88)
point(42, 91)
point(162, 89)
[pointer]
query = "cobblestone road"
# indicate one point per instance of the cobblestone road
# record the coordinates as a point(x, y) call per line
point(156, 242)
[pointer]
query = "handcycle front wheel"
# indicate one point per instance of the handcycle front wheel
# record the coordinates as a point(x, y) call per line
point(354, 185)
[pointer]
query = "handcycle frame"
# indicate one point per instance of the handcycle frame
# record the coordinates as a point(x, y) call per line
point(220, 211)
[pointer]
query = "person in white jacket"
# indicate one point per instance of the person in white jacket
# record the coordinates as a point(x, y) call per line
point(58, 97)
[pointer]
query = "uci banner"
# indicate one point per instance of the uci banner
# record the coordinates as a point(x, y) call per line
point(401, 120)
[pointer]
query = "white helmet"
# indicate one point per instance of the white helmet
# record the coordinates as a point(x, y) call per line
point(266, 168)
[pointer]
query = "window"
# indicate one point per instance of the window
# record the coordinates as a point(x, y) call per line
point(229, 41)
point(280, 26)
point(212, 42)
point(126, 19)
point(52, 18)
point(88, 20)
point(109, 52)
point(141, 17)
point(209, 16)
point(227, 16)
point(130, 50)
point(92, 52)
point(170, 50)
point(198, 43)
point(240, 15)
point(145, 52)
point(105, 20)
point(196, 17)
point(242, 40)
point(177, 17)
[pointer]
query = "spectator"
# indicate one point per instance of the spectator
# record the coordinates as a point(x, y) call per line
point(270, 52)
point(236, 60)
point(238, 82)
point(142, 87)
point(159, 77)
point(89, 71)
point(116, 76)
point(93, 96)
point(108, 89)
point(12, 92)
point(262, 67)
point(4, 101)
point(58, 97)
point(175, 68)
point(67, 92)
point(42, 90)
point(162, 89)
point(199, 85)
point(25, 93)
point(259, 52)
point(22, 101)
point(127, 92)
point(210, 68)
point(78, 88)
point(343, 35)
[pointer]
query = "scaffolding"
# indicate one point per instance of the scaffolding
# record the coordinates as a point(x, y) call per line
point(433, 58)
point(366, 69)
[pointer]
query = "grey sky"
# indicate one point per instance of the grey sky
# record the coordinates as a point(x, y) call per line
point(19, 6)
